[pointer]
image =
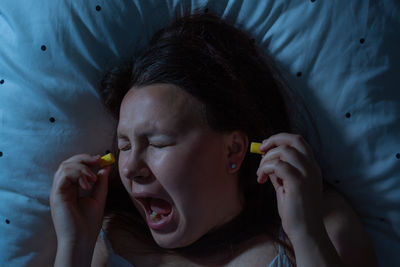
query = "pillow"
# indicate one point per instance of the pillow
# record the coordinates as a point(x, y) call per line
point(341, 56)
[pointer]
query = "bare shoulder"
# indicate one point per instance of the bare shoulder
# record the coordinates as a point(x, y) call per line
point(100, 253)
point(346, 231)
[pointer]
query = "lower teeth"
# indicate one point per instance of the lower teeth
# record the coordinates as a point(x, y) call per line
point(155, 216)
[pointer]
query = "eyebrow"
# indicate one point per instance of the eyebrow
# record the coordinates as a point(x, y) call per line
point(150, 133)
point(121, 136)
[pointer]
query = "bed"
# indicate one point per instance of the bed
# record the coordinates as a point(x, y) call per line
point(342, 57)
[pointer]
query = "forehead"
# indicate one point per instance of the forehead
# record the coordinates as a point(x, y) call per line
point(159, 106)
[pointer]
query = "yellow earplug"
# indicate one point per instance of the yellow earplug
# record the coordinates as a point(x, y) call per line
point(255, 148)
point(106, 160)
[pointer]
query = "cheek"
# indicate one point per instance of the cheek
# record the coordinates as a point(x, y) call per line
point(121, 164)
point(170, 167)
point(126, 182)
point(189, 172)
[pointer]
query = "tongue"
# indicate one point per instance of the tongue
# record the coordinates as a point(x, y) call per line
point(160, 206)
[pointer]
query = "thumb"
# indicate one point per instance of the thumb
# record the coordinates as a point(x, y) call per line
point(100, 188)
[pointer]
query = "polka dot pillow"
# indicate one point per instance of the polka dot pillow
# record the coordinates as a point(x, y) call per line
point(341, 56)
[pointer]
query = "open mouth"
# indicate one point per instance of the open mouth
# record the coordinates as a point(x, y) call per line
point(158, 212)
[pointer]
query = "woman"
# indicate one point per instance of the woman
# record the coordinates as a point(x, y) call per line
point(188, 108)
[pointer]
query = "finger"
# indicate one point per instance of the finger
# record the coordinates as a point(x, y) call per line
point(294, 140)
point(263, 179)
point(72, 174)
point(73, 171)
point(277, 183)
point(282, 169)
point(65, 176)
point(88, 173)
point(288, 154)
point(85, 159)
point(84, 183)
point(100, 188)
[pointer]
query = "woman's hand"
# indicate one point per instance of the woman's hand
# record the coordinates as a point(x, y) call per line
point(296, 177)
point(78, 219)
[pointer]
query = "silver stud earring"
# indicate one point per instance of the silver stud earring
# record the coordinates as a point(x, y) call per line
point(233, 166)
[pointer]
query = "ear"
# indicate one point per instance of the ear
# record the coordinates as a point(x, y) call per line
point(236, 144)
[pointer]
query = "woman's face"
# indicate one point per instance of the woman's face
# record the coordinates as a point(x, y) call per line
point(174, 167)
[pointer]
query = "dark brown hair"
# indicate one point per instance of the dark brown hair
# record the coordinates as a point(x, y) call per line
point(240, 89)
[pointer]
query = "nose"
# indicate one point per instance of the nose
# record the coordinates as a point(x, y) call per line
point(135, 168)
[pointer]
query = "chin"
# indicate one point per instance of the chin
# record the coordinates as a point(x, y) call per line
point(171, 241)
point(165, 243)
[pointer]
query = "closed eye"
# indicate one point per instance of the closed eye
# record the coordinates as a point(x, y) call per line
point(124, 148)
point(158, 145)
